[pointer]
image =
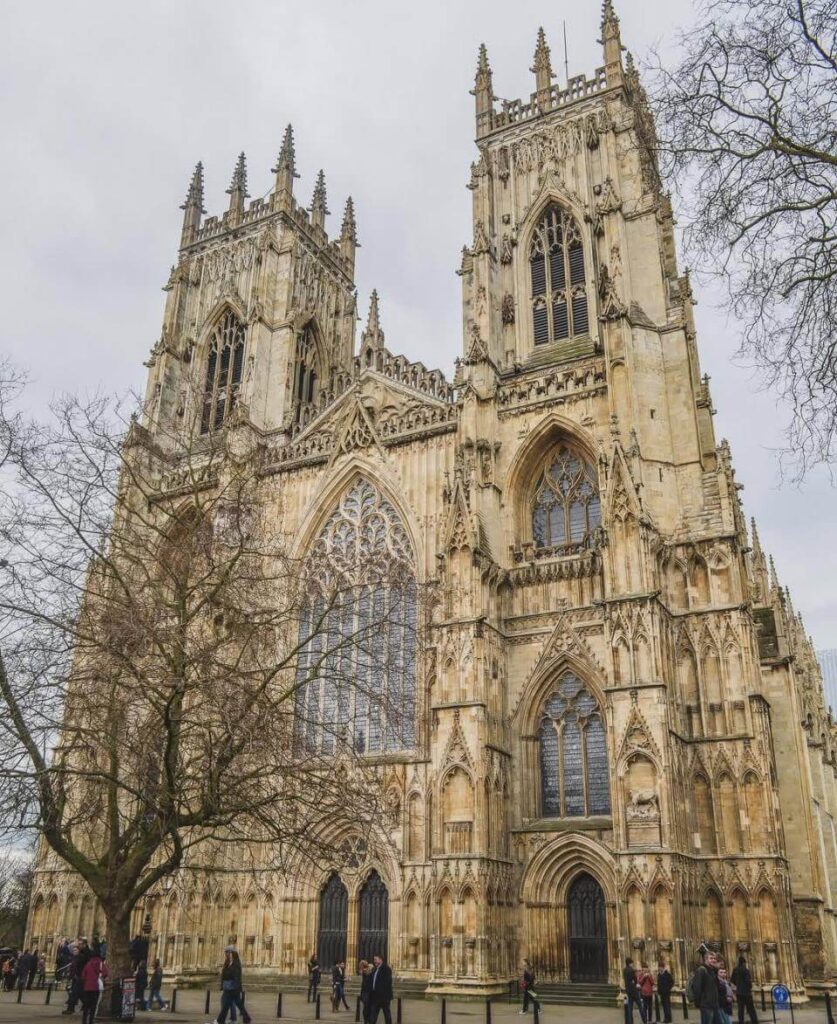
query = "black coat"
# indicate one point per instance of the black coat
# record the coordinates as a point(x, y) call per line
point(665, 982)
point(380, 988)
point(338, 975)
point(141, 981)
point(366, 987)
point(707, 994)
point(629, 981)
point(743, 980)
point(232, 972)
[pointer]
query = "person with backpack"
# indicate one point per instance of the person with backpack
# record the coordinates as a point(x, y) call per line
point(665, 984)
point(645, 984)
point(742, 982)
point(633, 997)
point(703, 989)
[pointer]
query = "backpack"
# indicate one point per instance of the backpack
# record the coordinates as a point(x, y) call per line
point(692, 988)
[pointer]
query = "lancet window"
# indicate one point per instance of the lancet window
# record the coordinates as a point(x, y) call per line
point(356, 672)
point(573, 753)
point(558, 282)
point(223, 372)
point(566, 507)
point(306, 378)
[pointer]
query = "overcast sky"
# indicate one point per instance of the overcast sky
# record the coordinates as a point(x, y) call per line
point(106, 106)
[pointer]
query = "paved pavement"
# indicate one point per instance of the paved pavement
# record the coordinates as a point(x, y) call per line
point(262, 1006)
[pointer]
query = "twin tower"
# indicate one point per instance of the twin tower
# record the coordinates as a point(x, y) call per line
point(617, 740)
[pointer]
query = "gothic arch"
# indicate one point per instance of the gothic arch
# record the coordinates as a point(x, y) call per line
point(552, 870)
point(549, 433)
point(542, 680)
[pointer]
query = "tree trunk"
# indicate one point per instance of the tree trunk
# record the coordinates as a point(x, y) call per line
point(118, 961)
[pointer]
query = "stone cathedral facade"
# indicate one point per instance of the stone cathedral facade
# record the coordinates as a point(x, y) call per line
point(617, 741)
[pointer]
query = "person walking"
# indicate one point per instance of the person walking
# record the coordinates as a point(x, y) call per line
point(380, 990)
point(527, 984)
point(742, 982)
point(231, 984)
point(93, 977)
point(41, 972)
point(632, 993)
point(80, 957)
point(314, 977)
point(645, 983)
point(156, 985)
point(365, 969)
point(140, 985)
point(24, 968)
point(665, 984)
point(705, 991)
point(338, 986)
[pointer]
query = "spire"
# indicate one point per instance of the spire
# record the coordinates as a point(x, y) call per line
point(285, 169)
point(318, 205)
point(238, 189)
point(483, 91)
point(542, 68)
point(348, 234)
point(193, 206)
point(611, 42)
point(774, 579)
point(756, 541)
point(373, 335)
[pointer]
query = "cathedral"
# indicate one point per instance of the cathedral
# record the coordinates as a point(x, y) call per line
point(615, 739)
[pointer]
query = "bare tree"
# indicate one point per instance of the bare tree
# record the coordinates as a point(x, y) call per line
point(174, 680)
point(747, 123)
point(15, 891)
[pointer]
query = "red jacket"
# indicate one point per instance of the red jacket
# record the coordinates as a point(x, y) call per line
point(92, 971)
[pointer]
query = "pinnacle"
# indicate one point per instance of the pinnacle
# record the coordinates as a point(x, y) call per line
point(609, 16)
point(373, 319)
point(482, 62)
point(194, 196)
point(239, 178)
point(348, 231)
point(542, 60)
point(318, 200)
point(287, 154)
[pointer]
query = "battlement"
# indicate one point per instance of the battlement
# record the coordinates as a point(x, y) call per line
point(511, 112)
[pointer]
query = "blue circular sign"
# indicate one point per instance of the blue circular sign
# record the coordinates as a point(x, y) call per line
point(781, 995)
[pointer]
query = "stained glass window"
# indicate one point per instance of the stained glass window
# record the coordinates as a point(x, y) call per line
point(573, 753)
point(356, 671)
point(223, 372)
point(566, 507)
point(559, 286)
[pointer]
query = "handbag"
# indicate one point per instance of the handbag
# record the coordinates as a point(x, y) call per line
point(228, 984)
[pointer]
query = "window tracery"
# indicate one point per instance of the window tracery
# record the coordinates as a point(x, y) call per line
point(573, 753)
point(356, 673)
point(307, 377)
point(557, 278)
point(566, 506)
point(223, 372)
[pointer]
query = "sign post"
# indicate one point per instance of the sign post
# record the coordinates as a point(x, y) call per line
point(781, 1000)
point(129, 995)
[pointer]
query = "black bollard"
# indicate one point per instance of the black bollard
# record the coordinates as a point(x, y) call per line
point(398, 1011)
point(685, 1007)
point(20, 994)
point(537, 1008)
point(657, 1007)
point(488, 1011)
point(444, 1018)
point(173, 1003)
point(206, 1004)
point(48, 994)
point(790, 1005)
point(357, 1011)
point(243, 998)
point(829, 1016)
point(317, 1007)
point(279, 1006)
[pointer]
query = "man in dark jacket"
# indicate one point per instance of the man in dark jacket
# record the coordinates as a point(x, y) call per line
point(632, 993)
point(743, 983)
point(338, 986)
point(314, 975)
point(707, 990)
point(380, 990)
point(79, 962)
point(665, 983)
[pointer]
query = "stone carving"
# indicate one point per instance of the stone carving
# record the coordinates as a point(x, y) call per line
point(506, 248)
point(482, 244)
point(507, 309)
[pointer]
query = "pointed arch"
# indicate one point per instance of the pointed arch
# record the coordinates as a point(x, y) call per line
point(703, 818)
point(222, 369)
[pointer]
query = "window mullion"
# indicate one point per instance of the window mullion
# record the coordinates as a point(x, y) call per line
point(570, 318)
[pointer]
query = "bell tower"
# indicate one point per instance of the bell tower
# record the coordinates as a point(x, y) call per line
point(260, 310)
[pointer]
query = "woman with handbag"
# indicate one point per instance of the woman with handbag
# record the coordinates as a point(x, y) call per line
point(231, 986)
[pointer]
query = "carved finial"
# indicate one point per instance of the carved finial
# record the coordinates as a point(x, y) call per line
point(193, 206)
point(483, 90)
point(285, 169)
point(319, 203)
point(774, 579)
point(373, 335)
point(756, 541)
point(348, 234)
point(238, 188)
point(542, 66)
point(612, 43)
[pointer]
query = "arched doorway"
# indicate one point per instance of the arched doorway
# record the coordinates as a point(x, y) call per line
point(334, 920)
point(373, 919)
point(587, 930)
